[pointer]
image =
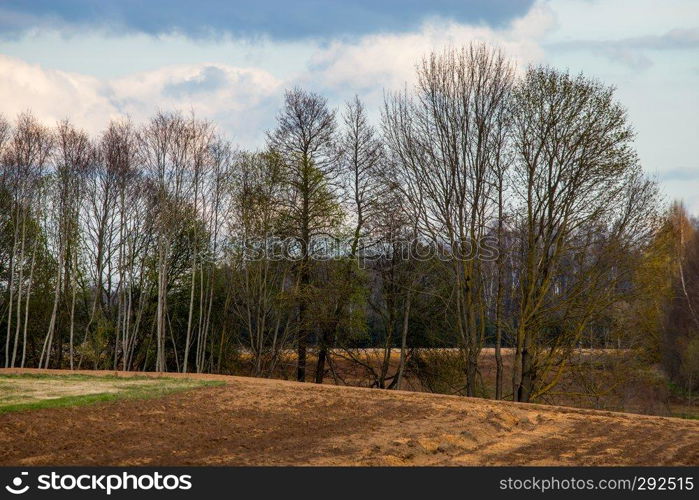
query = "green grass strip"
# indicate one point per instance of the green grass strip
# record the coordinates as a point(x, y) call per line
point(128, 390)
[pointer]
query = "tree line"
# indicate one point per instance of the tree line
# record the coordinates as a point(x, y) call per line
point(486, 208)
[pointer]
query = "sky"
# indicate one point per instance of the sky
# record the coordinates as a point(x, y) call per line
point(230, 61)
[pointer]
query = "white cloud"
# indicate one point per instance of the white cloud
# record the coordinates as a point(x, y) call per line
point(51, 94)
point(388, 60)
point(238, 99)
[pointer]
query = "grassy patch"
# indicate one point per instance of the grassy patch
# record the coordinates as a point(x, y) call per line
point(35, 391)
point(687, 416)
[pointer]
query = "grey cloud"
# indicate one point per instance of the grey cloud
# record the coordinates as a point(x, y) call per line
point(278, 19)
point(631, 51)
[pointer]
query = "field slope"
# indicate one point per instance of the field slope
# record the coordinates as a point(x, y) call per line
point(270, 422)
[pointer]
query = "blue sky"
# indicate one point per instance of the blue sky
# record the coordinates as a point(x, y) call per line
point(93, 60)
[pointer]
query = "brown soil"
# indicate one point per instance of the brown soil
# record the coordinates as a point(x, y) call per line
point(271, 422)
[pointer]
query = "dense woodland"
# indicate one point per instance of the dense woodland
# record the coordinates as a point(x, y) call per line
point(487, 207)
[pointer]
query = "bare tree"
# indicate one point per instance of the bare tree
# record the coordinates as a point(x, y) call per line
point(305, 141)
point(72, 157)
point(360, 169)
point(114, 213)
point(25, 159)
point(220, 157)
point(258, 275)
point(443, 137)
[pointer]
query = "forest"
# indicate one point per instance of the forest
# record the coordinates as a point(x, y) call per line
point(488, 209)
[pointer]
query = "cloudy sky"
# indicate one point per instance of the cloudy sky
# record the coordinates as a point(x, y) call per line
point(92, 60)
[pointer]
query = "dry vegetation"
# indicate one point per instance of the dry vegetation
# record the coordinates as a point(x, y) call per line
point(601, 379)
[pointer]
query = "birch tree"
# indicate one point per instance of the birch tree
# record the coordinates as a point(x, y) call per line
point(25, 159)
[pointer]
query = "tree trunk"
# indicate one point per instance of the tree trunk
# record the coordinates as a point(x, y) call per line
point(528, 375)
point(320, 364)
point(404, 341)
